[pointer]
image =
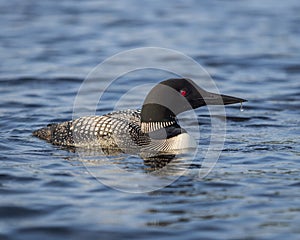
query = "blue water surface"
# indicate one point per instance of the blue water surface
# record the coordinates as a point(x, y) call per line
point(250, 48)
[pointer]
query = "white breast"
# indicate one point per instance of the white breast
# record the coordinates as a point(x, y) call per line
point(182, 141)
point(179, 142)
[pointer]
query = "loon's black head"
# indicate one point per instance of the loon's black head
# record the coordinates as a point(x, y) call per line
point(173, 96)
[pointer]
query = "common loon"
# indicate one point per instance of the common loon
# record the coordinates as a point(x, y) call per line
point(154, 127)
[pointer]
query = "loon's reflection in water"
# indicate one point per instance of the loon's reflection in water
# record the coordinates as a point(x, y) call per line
point(164, 163)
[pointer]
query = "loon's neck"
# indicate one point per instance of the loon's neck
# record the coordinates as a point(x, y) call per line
point(165, 133)
point(156, 113)
point(155, 117)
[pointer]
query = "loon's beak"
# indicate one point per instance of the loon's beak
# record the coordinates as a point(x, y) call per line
point(226, 100)
point(208, 98)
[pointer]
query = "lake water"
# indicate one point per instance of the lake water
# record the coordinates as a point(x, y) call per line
point(250, 48)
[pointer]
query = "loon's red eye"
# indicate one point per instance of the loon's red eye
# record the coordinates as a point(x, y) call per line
point(183, 92)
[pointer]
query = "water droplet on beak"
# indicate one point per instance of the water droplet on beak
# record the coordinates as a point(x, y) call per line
point(241, 108)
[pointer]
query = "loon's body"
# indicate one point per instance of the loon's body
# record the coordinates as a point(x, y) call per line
point(119, 130)
point(154, 127)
